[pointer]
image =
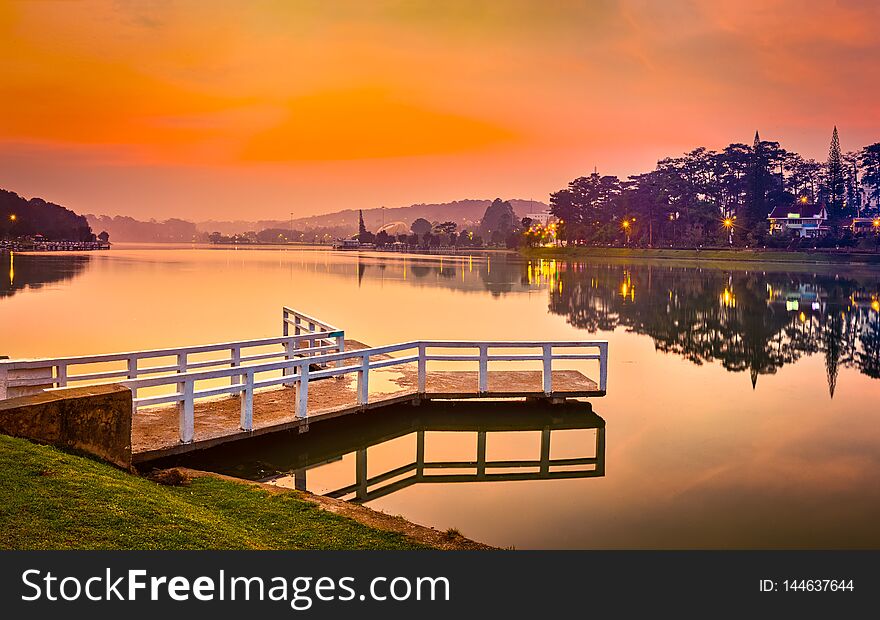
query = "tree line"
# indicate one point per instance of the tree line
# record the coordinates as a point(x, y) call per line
point(708, 197)
point(21, 218)
point(498, 226)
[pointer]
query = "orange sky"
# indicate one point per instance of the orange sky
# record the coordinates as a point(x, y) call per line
point(245, 110)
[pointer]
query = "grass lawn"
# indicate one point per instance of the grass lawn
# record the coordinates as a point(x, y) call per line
point(769, 256)
point(50, 499)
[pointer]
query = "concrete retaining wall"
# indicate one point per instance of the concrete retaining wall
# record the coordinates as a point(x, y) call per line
point(96, 420)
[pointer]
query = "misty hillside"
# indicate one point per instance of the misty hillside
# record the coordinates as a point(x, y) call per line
point(465, 213)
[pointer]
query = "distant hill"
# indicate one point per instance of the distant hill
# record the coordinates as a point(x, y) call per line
point(20, 217)
point(466, 213)
point(124, 228)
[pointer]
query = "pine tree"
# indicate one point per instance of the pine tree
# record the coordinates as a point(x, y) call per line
point(362, 229)
point(853, 187)
point(756, 207)
point(836, 185)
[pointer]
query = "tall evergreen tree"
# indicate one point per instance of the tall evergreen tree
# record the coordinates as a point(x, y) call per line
point(853, 190)
point(869, 159)
point(754, 216)
point(362, 229)
point(836, 188)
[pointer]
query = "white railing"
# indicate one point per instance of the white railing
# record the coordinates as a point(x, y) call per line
point(299, 372)
point(32, 375)
point(303, 323)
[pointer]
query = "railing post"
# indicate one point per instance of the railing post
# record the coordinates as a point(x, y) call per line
point(481, 454)
point(186, 410)
point(420, 454)
point(360, 473)
point(288, 355)
point(423, 368)
point(247, 402)
point(484, 368)
point(363, 384)
point(545, 451)
point(61, 375)
point(603, 365)
point(302, 392)
point(285, 327)
point(235, 362)
point(340, 348)
point(132, 367)
point(548, 369)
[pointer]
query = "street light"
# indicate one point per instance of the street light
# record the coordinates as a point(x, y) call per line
point(13, 217)
point(625, 225)
point(728, 224)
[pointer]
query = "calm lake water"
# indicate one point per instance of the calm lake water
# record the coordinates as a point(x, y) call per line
point(743, 405)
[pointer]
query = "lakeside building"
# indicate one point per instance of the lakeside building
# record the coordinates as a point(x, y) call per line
point(805, 219)
point(543, 218)
point(864, 225)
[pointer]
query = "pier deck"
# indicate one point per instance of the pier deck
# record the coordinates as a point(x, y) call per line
point(154, 431)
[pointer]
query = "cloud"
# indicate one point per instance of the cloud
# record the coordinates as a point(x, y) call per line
point(369, 123)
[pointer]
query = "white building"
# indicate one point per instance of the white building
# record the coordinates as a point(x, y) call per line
point(542, 218)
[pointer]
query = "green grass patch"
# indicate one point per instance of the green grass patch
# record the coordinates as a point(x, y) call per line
point(50, 499)
point(767, 256)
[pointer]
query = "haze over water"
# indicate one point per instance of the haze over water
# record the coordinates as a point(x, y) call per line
point(721, 427)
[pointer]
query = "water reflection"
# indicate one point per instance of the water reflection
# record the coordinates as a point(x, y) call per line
point(288, 460)
point(750, 321)
point(494, 272)
point(21, 271)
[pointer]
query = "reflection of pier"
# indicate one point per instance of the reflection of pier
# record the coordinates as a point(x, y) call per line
point(419, 471)
point(288, 458)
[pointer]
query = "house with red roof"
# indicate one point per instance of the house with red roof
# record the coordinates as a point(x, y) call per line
point(802, 218)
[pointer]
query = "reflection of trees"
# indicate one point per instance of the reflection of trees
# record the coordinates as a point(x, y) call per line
point(868, 359)
point(20, 271)
point(746, 321)
point(493, 273)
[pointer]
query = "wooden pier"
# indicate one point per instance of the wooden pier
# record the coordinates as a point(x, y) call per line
point(190, 398)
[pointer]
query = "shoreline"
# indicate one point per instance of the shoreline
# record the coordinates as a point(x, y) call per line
point(843, 258)
point(60, 499)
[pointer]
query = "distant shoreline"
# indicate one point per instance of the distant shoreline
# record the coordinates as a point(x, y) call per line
point(835, 257)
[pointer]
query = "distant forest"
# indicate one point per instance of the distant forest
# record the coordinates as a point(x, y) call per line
point(319, 228)
point(465, 213)
point(20, 217)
